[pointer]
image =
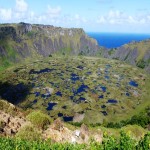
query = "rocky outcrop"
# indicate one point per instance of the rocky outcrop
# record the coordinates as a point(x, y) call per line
point(59, 133)
point(13, 121)
point(23, 40)
point(11, 124)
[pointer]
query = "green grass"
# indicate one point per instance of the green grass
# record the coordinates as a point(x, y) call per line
point(125, 142)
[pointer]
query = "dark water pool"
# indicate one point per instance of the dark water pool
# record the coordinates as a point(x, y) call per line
point(45, 96)
point(89, 72)
point(60, 114)
point(103, 88)
point(133, 83)
point(59, 94)
point(50, 106)
point(112, 101)
point(37, 94)
point(103, 106)
point(68, 118)
point(82, 99)
point(107, 77)
point(46, 70)
point(64, 107)
point(35, 101)
point(82, 88)
point(80, 67)
point(102, 96)
point(74, 77)
point(104, 113)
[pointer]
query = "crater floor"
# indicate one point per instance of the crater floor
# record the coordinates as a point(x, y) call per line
point(79, 89)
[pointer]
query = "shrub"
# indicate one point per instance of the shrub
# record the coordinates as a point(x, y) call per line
point(126, 143)
point(28, 132)
point(141, 64)
point(109, 142)
point(110, 52)
point(39, 119)
point(144, 143)
point(31, 34)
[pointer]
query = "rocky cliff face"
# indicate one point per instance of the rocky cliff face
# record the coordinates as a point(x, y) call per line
point(23, 40)
point(135, 53)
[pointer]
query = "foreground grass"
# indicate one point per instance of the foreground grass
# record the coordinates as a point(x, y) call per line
point(11, 144)
point(109, 143)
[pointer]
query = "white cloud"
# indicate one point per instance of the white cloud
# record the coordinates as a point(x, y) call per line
point(132, 20)
point(112, 17)
point(79, 19)
point(117, 17)
point(143, 21)
point(5, 14)
point(54, 11)
point(15, 14)
point(21, 13)
point(101, 20)
point(21, 6)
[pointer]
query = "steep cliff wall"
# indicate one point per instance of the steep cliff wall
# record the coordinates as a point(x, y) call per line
point(134, 53)
point(23, 40)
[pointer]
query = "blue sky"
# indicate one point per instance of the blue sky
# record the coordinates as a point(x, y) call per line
point(132, 16)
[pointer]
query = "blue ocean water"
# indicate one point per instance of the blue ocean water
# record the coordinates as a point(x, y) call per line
point(113, 40)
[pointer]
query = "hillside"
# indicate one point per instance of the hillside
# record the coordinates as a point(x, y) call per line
point(134, 53)
point(19, 41)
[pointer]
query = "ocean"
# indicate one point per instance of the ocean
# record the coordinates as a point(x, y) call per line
point(113, 40)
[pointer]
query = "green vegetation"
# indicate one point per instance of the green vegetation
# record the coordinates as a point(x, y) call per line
point(28, 132)
point(31, 34)
point(125, 142)
point(141, 119)
point(111, 51)
point(39, 119)
point(9, 56)
point(82, 86)
point(4, 64)
point(141, 64)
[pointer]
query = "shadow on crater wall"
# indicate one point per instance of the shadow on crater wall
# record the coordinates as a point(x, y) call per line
point(14, 93)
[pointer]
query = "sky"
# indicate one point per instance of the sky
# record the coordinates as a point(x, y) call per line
point(123, 16)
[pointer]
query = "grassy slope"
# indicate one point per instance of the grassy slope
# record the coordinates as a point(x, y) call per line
point(142, 47)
